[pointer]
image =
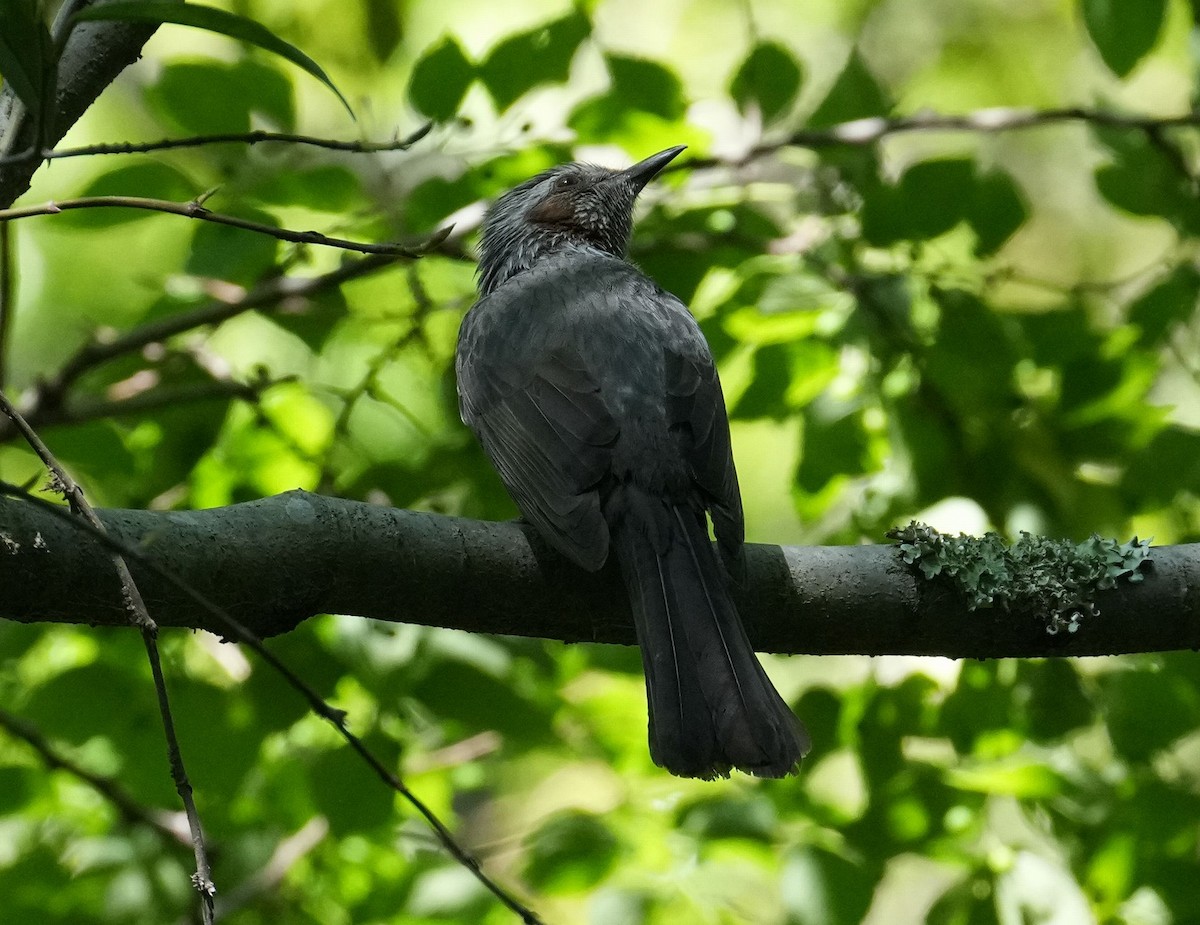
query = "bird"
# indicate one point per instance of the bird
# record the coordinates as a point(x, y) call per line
point(595, 396)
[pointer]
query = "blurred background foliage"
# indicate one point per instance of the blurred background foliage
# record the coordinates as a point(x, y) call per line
point(980, 329)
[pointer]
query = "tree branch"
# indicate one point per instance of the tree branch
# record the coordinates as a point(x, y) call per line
point(244, 138)
point(862, 133)
point(275, 562)
point(195, 209)
point(164, 823)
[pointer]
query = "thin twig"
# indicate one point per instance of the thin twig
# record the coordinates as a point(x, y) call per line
point(195, 209)
point(96, 353)
point(109, 788)
point(246, 138)
point(139, 616)
point(336, 717)
point(869, 131)
point(141, 403)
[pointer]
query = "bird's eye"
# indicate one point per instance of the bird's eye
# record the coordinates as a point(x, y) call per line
point(566, 181)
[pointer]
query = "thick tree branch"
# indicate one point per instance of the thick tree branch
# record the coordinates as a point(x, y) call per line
point(273, 563)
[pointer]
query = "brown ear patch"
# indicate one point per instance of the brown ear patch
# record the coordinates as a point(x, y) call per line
point(553, 210)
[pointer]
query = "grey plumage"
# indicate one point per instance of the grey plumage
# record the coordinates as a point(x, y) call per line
point(594, 394)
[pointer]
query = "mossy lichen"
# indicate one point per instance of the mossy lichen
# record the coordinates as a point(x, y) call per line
point(1054, 579)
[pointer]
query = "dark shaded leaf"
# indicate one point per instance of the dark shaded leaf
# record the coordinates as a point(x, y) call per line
point(540, 56)
point(211, 19)
point(1168, 465)
point(1168, 304)
point(831, 448)
point(855, 95)
point(25, 52)
point(995, 210)
point(385, 29)
point(823, 888)
point(233, 254)
point(348, 794)
point(1055, 701)
point(150, 179)
point(440, 80)
point(570, 852)
point(1124, 32)
point(769, 77)
point(1144, 180)
point(764, 398)
point(1147, 710)
point(205, 97)
point(930, 199)
point(646, 85)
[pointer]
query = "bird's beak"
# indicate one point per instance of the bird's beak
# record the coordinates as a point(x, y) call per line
point(643, 172)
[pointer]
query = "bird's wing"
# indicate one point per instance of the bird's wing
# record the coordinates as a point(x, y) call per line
point(696, 410)
point(549, 434)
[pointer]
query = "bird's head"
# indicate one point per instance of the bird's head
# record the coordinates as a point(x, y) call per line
point(568, 204)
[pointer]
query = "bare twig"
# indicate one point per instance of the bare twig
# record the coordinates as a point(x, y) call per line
point(337, 718)
point(869, 131)
point(139, 616)
point(130, 809)
point(50, 393)
point(195, 209)
point(245, 138)
point(141, 403)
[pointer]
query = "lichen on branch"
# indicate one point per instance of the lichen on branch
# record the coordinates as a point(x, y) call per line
point(1056, 580)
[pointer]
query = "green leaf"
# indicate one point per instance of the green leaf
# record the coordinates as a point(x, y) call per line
point(644, 100)
point(385, 29)
point(233, 254)
point(440, 80)
point(1124, 31)
point(855, 95)
point(831, 448)
point(646, 85)
point(570, 852)
point(1168, 304)
point(1147, 710)
point(540, 56)
point(211, 19)
point(151, 179)
point(209, 97)
point(24, 52)
point(930, 199)
point(769, 78)
point(996, 210)
point(764, 396)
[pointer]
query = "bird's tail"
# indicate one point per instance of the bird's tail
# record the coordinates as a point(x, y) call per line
point(712, 707)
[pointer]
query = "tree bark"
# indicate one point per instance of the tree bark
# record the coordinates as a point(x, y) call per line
point(95, 54)
point(275, 562)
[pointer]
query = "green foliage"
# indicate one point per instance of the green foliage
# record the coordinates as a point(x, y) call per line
point(210, 19)
point(440, 80)
point(1124, 32)
point(978, 331)
point(769, 78)
point(540, 56)
point(1053, 579)
point(26, 55)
